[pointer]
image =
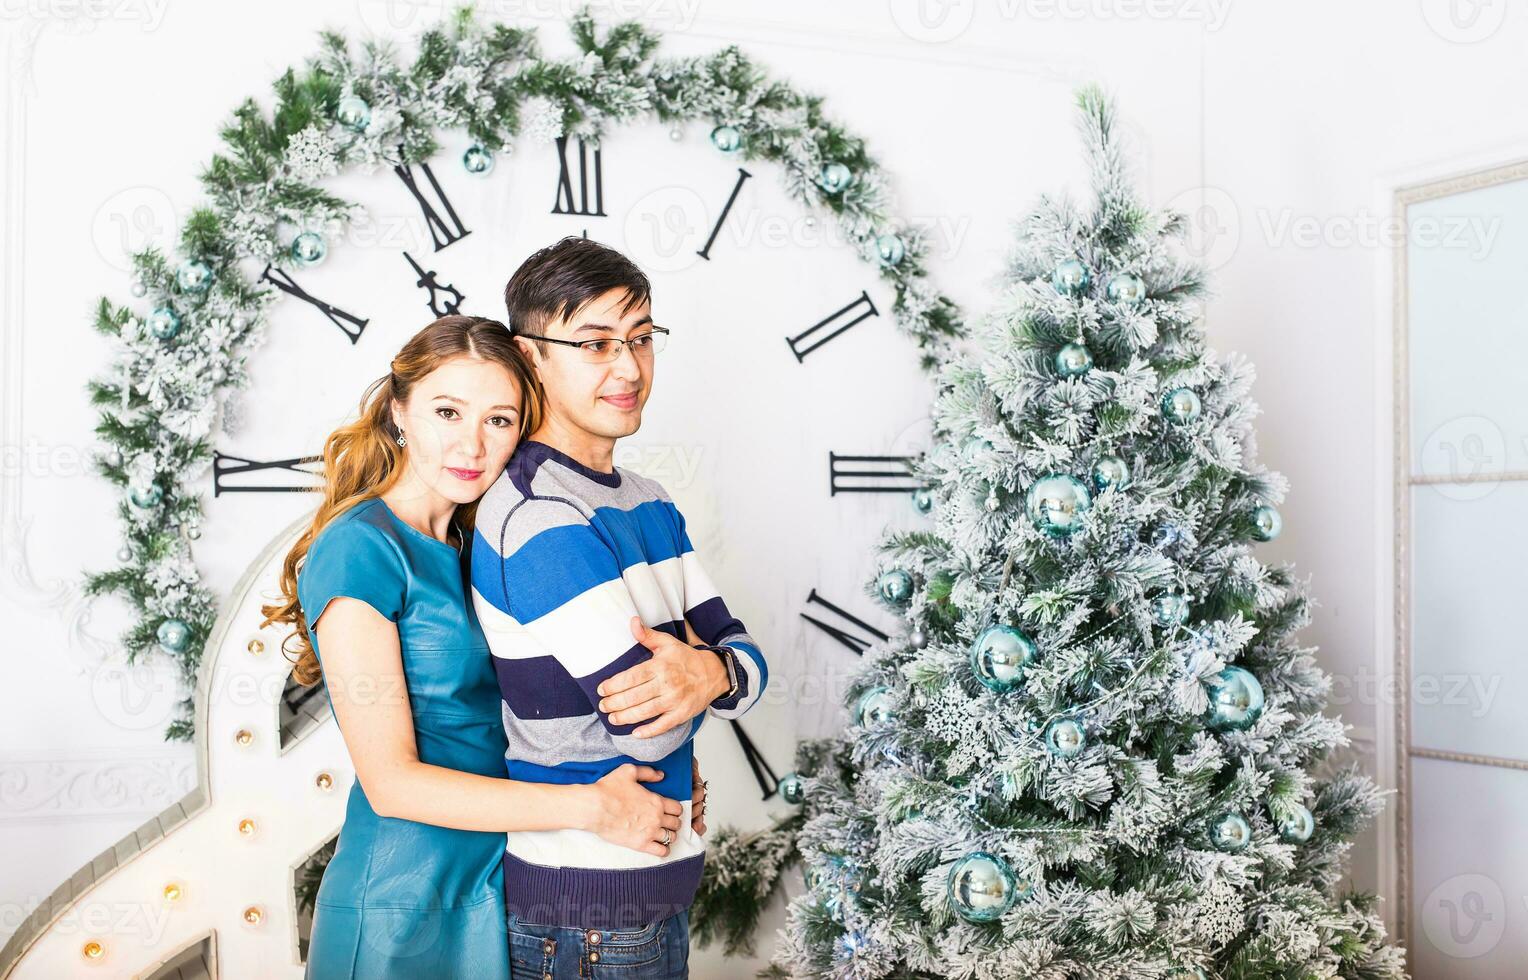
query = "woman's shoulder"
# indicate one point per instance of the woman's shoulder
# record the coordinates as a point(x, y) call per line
point(366, 526)
point(357, 553)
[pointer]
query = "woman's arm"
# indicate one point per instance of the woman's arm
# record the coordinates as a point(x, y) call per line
point(363, 669)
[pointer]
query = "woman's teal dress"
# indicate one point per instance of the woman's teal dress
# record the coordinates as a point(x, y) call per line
point(400, 898)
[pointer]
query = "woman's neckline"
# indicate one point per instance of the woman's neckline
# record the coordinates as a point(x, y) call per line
point(414, 530)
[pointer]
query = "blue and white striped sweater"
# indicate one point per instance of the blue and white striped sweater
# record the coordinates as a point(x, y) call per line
point(563, 557)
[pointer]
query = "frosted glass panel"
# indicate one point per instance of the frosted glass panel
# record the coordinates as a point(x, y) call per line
point(1471, 872)
point(1467, 255)
point(1469, 646)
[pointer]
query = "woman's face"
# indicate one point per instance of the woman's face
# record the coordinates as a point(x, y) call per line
point(461, 423)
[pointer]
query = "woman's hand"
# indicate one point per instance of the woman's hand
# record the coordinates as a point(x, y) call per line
point(697, 798)
point(625, 812)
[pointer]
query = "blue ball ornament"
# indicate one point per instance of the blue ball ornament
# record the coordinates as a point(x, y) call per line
point(1127, 289)
point(309, 249)
point(147, 497)
point(1169, 609)
point(834, 177)
point(1110, 471)
point(477, 159)
point(1065, 737)
point(1056, 504)
point(1298, 824)
point(1230, 832)
point(1070, 278)
point(982, 887)
point(1073, 361)
point(923, 500)
point(1236, 700)
point(999, 655)
point(193, 276)
point(1166, 537)
point(895, 586)
point(890, 248)
point(353, 113)
point(1266, 523)
point(875, 707)
point(1181, 405)
point(726, 138)
point(164, 323)
point(173, 635)
point(792, 789)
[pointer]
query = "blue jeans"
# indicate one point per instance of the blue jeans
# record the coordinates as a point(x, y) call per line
point(660, 951)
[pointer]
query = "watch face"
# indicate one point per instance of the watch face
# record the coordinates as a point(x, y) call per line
point(783, 410)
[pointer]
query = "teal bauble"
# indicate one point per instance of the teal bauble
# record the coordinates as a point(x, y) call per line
point(1181, 405)
point(726, 138)
point(1266, 523)
point(1230, 832)
point(193, 276)
point(1110, 471)
point(1056, 504)
point(1127, 289)
point(146, 497)
point(1169, 609)
point(792, 789)
point(173, 635)
point(1065, 737)
point(164, 323)
point(895, 586)
point(982, 887)
point(999, 655)
point(1073, 361)
point(834, 177)
point(1236, 700)
point(353, 113)
point(923, 500)
point(1297, 825)
point(478, 159)
point(875, 708)
point(890, 248)
point(309, 249)
point(1070, 278)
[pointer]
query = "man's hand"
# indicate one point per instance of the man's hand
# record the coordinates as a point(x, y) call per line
point(678, 683)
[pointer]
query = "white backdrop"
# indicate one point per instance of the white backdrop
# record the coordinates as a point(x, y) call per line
point(1276, 120)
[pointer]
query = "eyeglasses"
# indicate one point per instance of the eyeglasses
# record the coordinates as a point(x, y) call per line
point(607, 349)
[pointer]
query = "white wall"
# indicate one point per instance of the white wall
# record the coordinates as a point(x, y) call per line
point(1281, 116)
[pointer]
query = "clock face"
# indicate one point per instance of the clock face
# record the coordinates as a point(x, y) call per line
point(782, 412)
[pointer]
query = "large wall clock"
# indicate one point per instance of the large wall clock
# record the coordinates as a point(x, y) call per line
point(784, 411)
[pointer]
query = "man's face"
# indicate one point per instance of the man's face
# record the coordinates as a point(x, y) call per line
point(604, 399)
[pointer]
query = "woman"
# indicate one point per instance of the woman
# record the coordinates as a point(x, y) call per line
point(414, 887)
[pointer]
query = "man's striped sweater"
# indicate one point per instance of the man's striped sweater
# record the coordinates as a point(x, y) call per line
point(563, 556)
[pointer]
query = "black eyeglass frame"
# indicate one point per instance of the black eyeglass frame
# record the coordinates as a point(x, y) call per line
point(621, 344)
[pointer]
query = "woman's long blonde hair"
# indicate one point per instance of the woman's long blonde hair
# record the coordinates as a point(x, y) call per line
point(362, 459)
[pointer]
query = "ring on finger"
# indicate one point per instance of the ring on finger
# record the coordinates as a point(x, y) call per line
point(668, 837)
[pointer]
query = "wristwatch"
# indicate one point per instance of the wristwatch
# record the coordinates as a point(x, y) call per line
point(729, 660)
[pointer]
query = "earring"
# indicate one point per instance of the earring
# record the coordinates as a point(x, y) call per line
point(401, 441)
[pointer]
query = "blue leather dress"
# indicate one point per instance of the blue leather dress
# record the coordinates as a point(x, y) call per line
point(400, 898)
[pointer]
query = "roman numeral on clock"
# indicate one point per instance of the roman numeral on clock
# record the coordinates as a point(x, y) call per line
point(742, 175)
point(566, 203)
point(441, 232)
point(229, 474)
point(350, 324)
point(870, 474)
point(856, 643)
point(428, 281)
point(769, 783)
point(835, 323)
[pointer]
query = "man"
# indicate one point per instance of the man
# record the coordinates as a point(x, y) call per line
point(610, 641)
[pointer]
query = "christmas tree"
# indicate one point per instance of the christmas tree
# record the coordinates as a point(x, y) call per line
point(1097, 749)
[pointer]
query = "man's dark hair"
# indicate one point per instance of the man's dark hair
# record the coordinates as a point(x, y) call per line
point(557, 281)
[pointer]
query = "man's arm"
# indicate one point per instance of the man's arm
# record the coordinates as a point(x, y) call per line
point(555, 590)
